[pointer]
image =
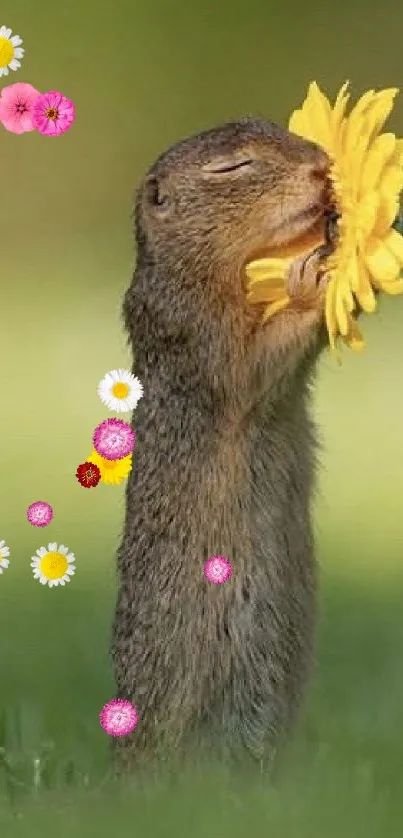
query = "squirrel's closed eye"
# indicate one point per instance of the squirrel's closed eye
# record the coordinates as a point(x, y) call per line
point(224, 165)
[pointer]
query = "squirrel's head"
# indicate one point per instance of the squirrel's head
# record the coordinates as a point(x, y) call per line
point(231, 193)
point(206, 207)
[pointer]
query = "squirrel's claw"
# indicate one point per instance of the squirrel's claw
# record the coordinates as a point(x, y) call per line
point(306, 279)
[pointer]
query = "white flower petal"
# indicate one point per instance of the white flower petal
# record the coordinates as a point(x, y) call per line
point(16, 40)
point(5, 71)
point(63, 549)
point(5, 552)
point(14, 65)
point(42, 580)
point(71, 570)
point(2, 543)
point(7, 33)
point(52, 547)
point(19, 52)
point(70, 557)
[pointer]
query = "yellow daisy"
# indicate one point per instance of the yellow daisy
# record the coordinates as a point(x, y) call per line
point(10, 51)
point(113, 472)
point(367, 178)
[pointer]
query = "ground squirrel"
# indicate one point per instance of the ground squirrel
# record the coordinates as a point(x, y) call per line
point(225, 450)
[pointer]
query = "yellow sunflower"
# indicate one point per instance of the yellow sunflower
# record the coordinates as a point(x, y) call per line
point(367, 178)
point(112, 471)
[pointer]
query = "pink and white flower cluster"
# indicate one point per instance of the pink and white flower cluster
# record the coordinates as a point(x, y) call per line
point(23, 108)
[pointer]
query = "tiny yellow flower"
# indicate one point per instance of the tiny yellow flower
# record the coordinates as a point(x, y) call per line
point(112, 471)
point(367, 178)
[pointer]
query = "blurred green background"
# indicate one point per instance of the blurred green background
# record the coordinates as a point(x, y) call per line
point(143, 75)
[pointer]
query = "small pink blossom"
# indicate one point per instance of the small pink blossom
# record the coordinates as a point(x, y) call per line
point(217, 570)
point(119, 717)
point(16, 107)
point(114, 439)
point(40, 513)
point(53, 114)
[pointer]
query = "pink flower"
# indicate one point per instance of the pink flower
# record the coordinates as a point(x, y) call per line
point(16, 107)
point(118, 717)
point(217, 570)
point(53, 114)
point(114, 439)
point(40, 513)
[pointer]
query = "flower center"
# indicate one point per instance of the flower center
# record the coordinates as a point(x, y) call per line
point(120, 390)
point(6, 52)
point(54, 565)
point(52, 114)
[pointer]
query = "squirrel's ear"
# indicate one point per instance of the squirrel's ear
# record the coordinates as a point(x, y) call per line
point(156, 194)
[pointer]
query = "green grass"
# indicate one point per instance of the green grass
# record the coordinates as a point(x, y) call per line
point(340, 776)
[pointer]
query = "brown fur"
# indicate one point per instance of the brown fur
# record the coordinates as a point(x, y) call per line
point(225, 452)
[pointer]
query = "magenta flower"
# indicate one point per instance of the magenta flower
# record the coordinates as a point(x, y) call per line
point(217, 570)
point(53, 114)
point(114, 439)
point(40, 513)
point(16, 107)
point(118, 717)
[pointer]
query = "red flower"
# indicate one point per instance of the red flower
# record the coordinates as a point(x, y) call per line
point(88, 474)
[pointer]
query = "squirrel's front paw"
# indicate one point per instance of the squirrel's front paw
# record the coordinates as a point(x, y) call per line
point(306, 280)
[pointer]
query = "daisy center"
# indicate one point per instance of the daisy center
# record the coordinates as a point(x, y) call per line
point(120, 390)
point(52, 114)
point(6, 52)
point(54, 565)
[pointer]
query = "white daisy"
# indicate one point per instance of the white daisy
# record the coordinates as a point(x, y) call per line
point(10, 51)
point(4, 552)
point(120, 390)
point(53, 566)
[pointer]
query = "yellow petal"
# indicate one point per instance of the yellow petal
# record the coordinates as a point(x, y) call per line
point(330, 313)
point(266, 269)
point(364, 292)
point(379, 110)
point(339, 107)
point(319, 109)
point(377, 158)
point(399, 150)
point(387, 212)
point(356, 123)
point(266, 291)
point(394, 243)
point(341, 314)
point(354, 338)
point(275, 307)
point(392, 288)
point(367, 212)
point(381, 263)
